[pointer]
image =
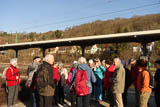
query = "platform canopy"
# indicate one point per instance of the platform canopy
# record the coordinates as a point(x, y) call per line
point(140, 36)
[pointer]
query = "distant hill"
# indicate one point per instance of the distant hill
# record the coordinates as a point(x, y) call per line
point(117, 25)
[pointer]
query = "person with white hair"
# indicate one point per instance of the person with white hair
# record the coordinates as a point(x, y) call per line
point(83, 73)
point(13, 81)
point(118, 82)
point(91, 63)
point(63, 75)
point(45, 82)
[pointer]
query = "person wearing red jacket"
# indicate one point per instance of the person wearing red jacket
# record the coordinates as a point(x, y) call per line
point(13, 81)
point(107, 82)
point(56, 80)
point(55, 72)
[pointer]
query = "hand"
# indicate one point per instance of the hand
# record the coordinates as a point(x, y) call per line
point(17, 77)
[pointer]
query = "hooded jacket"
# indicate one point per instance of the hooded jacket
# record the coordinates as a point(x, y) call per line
point(91, 76)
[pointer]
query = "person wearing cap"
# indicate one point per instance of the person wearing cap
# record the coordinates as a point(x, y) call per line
point(13, 81)
point(34, 65)
point(32, 76)
point(157, 80)
point(134, 74)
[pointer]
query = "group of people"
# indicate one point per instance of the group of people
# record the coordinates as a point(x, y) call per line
point(107, 79)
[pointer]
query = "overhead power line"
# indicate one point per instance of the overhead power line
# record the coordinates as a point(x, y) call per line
point(107, 13)
point(62, 18)
point(75, 24)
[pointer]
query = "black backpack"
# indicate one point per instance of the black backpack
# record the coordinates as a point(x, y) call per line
point(151, 82)
point(41, 80)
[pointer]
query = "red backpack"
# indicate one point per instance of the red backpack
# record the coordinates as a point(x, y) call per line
point(82, 85)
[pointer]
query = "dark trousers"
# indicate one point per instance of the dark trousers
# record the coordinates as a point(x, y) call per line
point(83, 101)
point(157, 96)
point(12, 95)
point(61, 94)
point(73, 98)
point(35, 99)
point(56, 96)
point(109, 96)
point(45, 101)
point(124, 95)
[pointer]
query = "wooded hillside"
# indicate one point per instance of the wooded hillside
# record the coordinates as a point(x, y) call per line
point(118, 25)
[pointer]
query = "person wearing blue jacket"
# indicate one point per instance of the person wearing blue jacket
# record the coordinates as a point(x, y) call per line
point(82, 101)
point(99, 73)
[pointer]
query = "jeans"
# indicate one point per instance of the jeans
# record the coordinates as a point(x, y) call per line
point(12, 95)
point(45, 101)
point(83, 101)
point(98, 89)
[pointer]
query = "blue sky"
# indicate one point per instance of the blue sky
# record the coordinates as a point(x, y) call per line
point(46, 15)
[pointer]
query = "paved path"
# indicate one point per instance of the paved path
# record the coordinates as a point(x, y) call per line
point(131, 101)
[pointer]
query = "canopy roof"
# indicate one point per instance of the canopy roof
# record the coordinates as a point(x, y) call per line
point(141, 36)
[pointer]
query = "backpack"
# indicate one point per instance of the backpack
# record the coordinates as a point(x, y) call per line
point(40, 77)
point(82, 85)
point(5, 71)
point(151, 82)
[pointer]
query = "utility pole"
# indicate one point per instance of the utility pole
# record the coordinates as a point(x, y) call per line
point(16, 38)
point(16, 54)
